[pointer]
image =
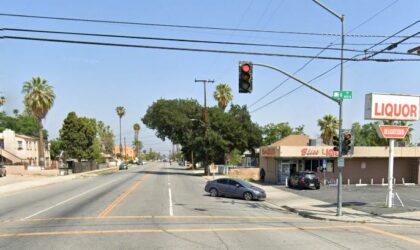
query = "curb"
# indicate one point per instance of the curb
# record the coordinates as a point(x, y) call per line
point(54, 180)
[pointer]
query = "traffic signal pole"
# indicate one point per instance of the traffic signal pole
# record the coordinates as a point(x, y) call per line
point(340, 122)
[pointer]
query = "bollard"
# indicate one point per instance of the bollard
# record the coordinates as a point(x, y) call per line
point(403, 182)
point(383, 181)
point(348, 182)
point(286, 182)
point(360, 181)
point(371, 181)
point(395, 180)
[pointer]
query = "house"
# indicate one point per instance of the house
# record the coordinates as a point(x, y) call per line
point(20, 149)
point(127, 152)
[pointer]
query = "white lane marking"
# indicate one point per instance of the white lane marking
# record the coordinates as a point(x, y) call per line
point(415, 200)
point(70, 199)
point(171, 211)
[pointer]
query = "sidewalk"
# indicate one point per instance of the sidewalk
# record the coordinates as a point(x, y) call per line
point(27, 183)
point(319, 210)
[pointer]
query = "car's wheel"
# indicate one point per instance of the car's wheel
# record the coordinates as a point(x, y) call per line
point(213, 192)
point(248, 196)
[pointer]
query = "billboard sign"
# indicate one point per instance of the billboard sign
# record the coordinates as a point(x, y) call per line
point(392, 107)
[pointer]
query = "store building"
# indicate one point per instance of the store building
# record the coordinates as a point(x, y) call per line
point(366, 165)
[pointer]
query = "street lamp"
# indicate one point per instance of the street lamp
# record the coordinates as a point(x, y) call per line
point(340, 122)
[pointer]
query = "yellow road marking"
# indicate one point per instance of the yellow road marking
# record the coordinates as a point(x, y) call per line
point(139, 217)
point(177, 230)
point(398, 236)
point(117, 201)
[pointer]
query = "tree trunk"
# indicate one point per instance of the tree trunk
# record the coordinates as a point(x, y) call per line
point(121, 149)
point(41, 153)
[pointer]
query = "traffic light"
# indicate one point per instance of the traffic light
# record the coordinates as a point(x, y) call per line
point(245, 77)
point(336, 143)
point(347, 143)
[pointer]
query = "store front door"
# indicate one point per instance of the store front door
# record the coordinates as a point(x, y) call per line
point(283, 172)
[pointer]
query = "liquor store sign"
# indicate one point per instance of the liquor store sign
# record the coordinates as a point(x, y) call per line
point(392, 107)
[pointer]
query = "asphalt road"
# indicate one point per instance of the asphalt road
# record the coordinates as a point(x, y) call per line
point(158, 206)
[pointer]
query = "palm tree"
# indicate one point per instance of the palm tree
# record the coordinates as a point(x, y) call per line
point(136, 128)
point(38, 100)
point(120, 112)
point(223, 95)
point(16, 112)
point(329, 126)
point(2, 100)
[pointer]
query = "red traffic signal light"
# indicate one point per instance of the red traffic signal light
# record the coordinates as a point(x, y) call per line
point(245, 77)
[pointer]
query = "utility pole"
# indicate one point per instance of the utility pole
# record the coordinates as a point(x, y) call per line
point(206, 119)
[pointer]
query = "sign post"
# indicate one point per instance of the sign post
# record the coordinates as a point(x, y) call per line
point(395, 108)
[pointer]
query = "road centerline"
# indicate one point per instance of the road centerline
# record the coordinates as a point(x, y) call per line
point(122, 197)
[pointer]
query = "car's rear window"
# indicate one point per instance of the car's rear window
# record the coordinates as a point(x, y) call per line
point(310, 176)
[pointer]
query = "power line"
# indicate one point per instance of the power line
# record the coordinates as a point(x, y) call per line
point(196, 49)
point(395, 34)
point(190, 40)
point(326, 72)
point(329, 70)
point(188, 26)
point(392, 46)
point(193, 49)
point(284, 81)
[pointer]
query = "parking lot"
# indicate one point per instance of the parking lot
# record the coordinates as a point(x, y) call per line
point(370, 199)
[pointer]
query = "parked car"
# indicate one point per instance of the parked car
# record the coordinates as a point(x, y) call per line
point(230, 187)
point(304, 179)
point(123, 166)
point(181, 163)
point(2, 171)
point(140, 162)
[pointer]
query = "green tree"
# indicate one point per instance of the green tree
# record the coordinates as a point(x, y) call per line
point(105, 137)
point(235, 157)
point(274, 132)
point(179, 121)
point(136, 144)
point(78, 138)
point(120, 112)
point(223, 95)
point(22, 124)
point(2, 100)
point(328, 125)
point(38, 100)
point(55, 149)
point(16, 112)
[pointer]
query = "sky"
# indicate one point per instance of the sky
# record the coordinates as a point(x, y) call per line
point(94, 80)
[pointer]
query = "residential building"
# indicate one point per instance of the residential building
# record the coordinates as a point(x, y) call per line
point(127, 152)
point(20, 149)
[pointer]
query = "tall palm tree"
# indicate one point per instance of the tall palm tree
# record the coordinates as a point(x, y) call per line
point(2, 100)
point(120, 112)
point(329, 126)
point(136, 128)
point(38, 100)
point(223, 95)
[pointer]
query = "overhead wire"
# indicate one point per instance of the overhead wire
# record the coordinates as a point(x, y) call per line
point(187, 26)
point(334, 67)
point(195, 49)
point(306, 64)
point(190, 40)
